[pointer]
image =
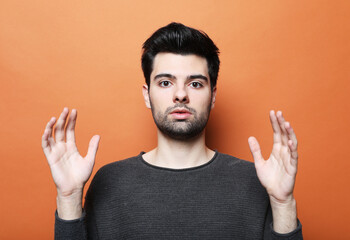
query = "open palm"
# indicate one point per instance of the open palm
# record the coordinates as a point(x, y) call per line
point(70, 171)
point(277, 174)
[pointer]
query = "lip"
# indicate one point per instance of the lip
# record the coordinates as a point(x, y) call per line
point(180, 110)
point(180, 114)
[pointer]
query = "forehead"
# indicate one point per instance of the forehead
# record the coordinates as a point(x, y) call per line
point(178, 64)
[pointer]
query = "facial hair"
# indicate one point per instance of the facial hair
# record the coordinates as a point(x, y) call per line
point(181, 129)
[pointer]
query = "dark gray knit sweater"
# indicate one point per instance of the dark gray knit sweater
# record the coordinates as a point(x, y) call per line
point(131, 199)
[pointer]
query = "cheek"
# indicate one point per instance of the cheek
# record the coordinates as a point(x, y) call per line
point(160, 100)
point(200, 99)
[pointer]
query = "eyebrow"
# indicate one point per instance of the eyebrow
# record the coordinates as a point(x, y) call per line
point(167, 75)
point(198, 76)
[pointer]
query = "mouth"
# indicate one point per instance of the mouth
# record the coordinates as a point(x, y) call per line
point(180, 114)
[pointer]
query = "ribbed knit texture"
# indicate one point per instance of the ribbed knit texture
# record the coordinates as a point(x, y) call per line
point(131, 199)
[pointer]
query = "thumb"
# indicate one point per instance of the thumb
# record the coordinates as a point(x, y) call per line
point(255, 150)
point(93, 146)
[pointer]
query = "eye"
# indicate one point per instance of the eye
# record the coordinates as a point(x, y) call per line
point(196, 84)
point(164, 84)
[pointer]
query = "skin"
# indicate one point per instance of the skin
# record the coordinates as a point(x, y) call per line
point(277, 173)
point(70, 171)
point(181, 89)
point(176, 80)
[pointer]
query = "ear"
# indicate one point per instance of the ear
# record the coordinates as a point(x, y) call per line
point(146, 95)
point(213, 97)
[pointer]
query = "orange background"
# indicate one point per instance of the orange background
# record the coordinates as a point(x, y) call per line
point(289, 55)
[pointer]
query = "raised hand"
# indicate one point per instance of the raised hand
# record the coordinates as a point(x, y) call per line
point(277, 174)
point(70, 171)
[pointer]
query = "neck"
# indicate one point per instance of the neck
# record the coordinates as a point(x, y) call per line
point(177, 154)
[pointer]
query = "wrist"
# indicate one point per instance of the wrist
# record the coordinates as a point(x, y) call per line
point(69, 207)
point(284, 214)
point(67, 194)
point(288, 201)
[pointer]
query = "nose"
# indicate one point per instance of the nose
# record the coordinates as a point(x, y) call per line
point(180, 95)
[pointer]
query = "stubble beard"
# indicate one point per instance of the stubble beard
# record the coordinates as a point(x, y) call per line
point(181, 129)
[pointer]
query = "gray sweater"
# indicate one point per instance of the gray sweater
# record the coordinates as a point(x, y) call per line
point(131, 199)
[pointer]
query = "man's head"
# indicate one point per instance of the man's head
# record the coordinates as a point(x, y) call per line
point(180, 39)
point(179, 64)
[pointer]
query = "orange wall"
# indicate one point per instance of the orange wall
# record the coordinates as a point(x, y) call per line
point(290, 55)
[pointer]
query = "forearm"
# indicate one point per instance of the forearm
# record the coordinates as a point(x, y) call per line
point(284, 215)
point(70, 207)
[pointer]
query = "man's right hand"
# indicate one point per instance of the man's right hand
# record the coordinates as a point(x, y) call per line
point(70, 171)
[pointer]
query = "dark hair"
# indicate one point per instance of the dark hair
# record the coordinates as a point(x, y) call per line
point(180, 39)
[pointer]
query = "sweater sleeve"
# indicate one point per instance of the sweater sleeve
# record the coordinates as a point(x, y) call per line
point(83, 228)
point(70, 229)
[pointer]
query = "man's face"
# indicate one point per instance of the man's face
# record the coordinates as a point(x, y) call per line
point(180, 96)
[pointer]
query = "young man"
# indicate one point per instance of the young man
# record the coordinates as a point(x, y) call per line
point(181, 189)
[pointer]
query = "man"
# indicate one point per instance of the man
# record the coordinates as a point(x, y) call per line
point(181, 189)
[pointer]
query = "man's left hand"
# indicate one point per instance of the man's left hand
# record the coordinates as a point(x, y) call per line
point(277, 174)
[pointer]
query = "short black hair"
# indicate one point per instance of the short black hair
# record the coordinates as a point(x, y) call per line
point(180, 39)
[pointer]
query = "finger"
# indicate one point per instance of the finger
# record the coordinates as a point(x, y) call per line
point(70, 129)
point(48, 128)
point(93, 146)
point(294, 153)
point(291, 134)
point(59, 128)
point(255, 150)
point(292, 144)
point(46, 139)
point(284, 134)
point(275, 127)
